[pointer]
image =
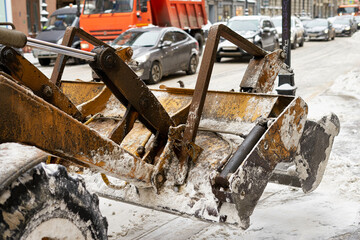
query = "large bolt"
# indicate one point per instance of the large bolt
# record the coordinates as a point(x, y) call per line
point(282, 55)
point(109, 61)
point(47, 91)
point(159, 178)
point(129, 52)
point(9, 56)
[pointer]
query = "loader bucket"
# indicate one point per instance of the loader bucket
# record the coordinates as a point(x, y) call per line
point(208, 154)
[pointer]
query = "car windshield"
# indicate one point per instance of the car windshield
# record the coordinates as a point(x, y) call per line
point(59, 22)
point(278, 22)
point(317, 23)
point(107, 6)
point(343, 21)
point(347, 10)
point(244, 25)
point(139, 39)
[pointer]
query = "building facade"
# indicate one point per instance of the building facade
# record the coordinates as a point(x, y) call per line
point(27, 14)
point(221, 10)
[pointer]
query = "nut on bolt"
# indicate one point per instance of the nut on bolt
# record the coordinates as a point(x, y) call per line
point(282, 55)
point(129, 52)
point(47, 91)
point(160, 178)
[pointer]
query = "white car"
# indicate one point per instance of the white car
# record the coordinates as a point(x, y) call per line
point(297, 35)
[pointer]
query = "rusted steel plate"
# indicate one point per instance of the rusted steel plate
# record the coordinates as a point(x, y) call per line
point(202, 85)
point(261, 73)
point(314, 150)
point(79, 92)
point(28, 119)
point(278, 144)
point(129, 89)
point(26, 73)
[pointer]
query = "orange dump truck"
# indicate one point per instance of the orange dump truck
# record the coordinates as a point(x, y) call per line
point(106, 19)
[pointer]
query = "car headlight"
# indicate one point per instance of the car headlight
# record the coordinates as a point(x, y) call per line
point(142, 58)
point(326, 30)
point(84, 46)
point(257, 38)
point(59, 41)
point(347, 28)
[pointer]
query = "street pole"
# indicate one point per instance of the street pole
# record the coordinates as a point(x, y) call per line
point(286, 24)
point(246, 8)
point(286, 77)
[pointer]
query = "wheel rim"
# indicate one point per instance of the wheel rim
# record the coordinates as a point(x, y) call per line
point(193, 64)
point(155, 72)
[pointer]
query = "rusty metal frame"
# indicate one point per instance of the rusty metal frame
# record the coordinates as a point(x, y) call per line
point(68, 39)
point(32, 121)
point(204, 76)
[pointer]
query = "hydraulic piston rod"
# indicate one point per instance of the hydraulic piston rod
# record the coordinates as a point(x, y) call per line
point(60, 49)
point(18, 39)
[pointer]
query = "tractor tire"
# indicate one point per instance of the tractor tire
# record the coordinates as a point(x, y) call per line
point(44, 61)
point(193, 63)
point(47, 203)
point(155, 73)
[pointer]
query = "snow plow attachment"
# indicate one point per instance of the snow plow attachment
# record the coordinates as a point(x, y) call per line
point(208, 154)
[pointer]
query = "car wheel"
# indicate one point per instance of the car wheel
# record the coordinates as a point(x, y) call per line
point(155, 73)
point(294, 45)
point(301, 44)
point(199, 38)
point(193, 63)
point(44, 61)
point(218, 59)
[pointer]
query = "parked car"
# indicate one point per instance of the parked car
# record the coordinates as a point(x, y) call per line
point(320, 29)
point(297, 30)
point(357, 20)
point(160, 51)
point(257, 29)
point(344, 26)
point(54, 31)
point(305, 20)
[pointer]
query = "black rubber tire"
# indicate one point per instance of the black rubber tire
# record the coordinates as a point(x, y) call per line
point(200, 39)
point(155, 73)
point(218, 59)
point(193, 63)
point(44, 61)
point(44, 194)
point(294, 45)
point(301, 44)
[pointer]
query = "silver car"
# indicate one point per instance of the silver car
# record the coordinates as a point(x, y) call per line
point(159, 51)
point(257, 29)
point(297, 35)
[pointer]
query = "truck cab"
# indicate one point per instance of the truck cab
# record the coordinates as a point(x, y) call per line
point(107, 19)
